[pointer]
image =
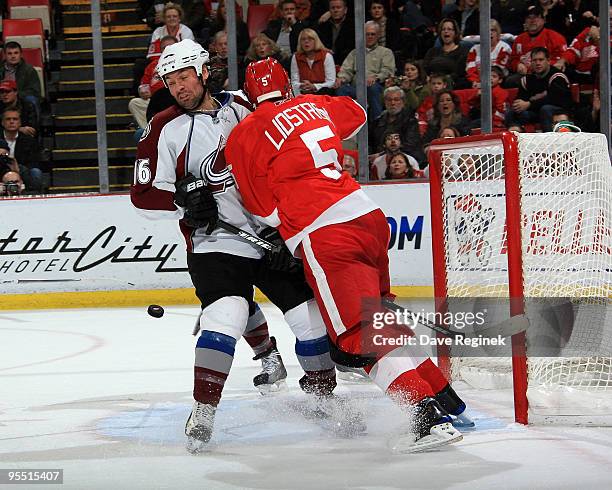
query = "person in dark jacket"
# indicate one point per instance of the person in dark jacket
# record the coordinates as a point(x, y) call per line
point(15, 68)
point(10, 99)
point(467, 17)
point(541, 92)
point(23, 148)
point(451, 57)
point(389, 27)
point(338, 33)
point(396, 118)
point(286, 30)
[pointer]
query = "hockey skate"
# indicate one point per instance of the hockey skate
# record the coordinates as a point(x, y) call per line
point(352, 375)
point(450, 401)
point(431, 428)
point(273, 374)
point(199, 427)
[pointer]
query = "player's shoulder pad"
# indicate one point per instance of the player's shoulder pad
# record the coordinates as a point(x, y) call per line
point(238, 97)
point(159, 120)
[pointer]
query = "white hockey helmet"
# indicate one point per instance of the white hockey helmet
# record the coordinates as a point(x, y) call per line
point(184, 54)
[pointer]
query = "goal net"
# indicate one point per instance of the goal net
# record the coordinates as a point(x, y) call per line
point(529, 217)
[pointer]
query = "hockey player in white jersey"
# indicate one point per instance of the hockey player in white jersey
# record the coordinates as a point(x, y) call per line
point(180, 173)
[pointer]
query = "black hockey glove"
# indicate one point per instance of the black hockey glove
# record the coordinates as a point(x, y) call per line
point(199, 203)
point(280, 258)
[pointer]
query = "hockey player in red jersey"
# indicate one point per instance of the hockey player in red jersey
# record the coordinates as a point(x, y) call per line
point(285, 158)
point(180, 173)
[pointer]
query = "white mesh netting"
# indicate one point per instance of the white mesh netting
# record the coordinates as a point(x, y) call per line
point(566, 203)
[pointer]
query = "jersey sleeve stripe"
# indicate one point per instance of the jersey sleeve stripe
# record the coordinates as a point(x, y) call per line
point(365, 118)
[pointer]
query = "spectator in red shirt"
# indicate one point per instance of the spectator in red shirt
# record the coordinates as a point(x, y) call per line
point(437, 83)
point(499, 97)
point(149, 84)
point(578, 60)
point(500, 55)
point(536, 35)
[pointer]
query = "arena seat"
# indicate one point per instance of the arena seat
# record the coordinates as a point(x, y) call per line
point(31, 9)
point(27, 32)
point(257, 18)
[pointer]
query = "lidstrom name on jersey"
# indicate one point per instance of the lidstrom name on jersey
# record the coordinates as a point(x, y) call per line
point(289, 119)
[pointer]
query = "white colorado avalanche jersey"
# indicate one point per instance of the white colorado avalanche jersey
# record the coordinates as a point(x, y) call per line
point(176, 143)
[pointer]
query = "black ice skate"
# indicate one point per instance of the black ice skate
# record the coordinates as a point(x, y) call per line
point(431, 428)
point(273, 374)
point(450, 401)
point(199, 427)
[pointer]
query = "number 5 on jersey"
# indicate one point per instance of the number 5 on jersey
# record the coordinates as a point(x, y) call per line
point(322, 158)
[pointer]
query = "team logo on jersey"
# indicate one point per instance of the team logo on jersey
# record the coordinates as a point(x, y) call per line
point(146, 132)
point(215, 171)
point(471, 223)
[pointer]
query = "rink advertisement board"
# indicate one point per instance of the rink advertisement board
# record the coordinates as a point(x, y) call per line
point(101, 243)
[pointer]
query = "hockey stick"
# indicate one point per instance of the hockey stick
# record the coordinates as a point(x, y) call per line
point(254, 239)
point(507, 328)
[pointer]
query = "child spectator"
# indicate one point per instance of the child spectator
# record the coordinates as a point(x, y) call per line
point(499, 100)
point(437, 83)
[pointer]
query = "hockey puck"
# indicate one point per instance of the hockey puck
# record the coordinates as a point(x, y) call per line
point(155, 311)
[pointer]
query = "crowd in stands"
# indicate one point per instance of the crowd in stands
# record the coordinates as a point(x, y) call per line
point(422, 64)
point(422, 69)
point(20, 98)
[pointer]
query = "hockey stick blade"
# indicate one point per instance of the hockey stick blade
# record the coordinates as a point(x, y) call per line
point(255, 240)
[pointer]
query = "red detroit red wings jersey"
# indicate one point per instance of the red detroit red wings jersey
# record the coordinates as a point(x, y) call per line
point(286, 158)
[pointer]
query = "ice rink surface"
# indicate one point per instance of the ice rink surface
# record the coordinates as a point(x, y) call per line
point(104, 395)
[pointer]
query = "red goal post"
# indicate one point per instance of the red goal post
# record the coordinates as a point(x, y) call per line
point(531, 189)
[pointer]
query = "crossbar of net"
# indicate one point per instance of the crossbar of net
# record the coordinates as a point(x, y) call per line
point(566, 201)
